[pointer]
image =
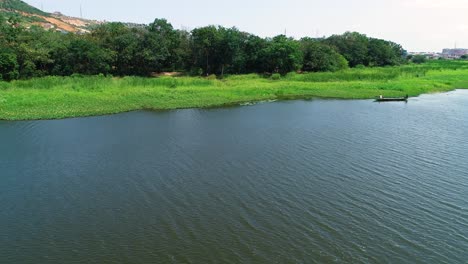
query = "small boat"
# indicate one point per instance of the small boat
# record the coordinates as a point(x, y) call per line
point(392, 99)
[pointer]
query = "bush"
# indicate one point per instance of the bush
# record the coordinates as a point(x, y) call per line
point(211, 77)
point(319, 57)
point(275, 76)
point(77, 75)
point(419, 59)
point(196, 72)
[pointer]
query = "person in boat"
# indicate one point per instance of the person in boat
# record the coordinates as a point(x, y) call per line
point(381, 97)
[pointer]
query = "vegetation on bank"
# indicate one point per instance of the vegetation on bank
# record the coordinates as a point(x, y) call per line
point(47, 74)
point(119, 50)
point(62, 97)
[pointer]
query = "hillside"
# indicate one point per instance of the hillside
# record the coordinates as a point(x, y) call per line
point(54, 21)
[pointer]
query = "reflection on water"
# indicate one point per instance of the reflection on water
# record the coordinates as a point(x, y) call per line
point(284, 182)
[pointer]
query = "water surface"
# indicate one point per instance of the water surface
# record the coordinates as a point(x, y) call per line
point(284, 182)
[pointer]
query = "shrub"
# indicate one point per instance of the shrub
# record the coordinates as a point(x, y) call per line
point(275, 76)
point(418, 59)
point(211, 77)
point(196, 72)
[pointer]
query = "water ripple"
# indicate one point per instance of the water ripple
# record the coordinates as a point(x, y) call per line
point(320, 181)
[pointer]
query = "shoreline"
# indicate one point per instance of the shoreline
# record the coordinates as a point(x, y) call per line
point(53, 97)
point(221, 106)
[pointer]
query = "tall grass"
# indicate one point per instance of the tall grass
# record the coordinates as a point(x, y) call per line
point(101, 82)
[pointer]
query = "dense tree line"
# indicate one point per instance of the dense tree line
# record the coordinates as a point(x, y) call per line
point(116, 49)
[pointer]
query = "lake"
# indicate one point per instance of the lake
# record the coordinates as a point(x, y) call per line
point(286, 182)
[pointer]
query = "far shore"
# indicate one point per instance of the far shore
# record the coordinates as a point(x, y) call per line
point(81, 96)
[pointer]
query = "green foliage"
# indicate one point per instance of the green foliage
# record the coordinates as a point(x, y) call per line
point(359, 49)
point(35, 50)
point(9, 30)
point(252, 54)
point(276, 76)
point(181, 56)
point(319, 57)
point(18, 5)
point(158, 46)
point(84, 57)
point(8, 66)
point(361, 74)
point(384, 53)
point(173, 83)
point(115, 48)
point(281, 55)
point(353, 46)
point(60, 97)
point(418, 59)
point(196, 71)
point(126, 47)
point(219, 50)
point(204, 41)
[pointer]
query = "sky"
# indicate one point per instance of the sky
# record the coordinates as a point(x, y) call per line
point(418, 25)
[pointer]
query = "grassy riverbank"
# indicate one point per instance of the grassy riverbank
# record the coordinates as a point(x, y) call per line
point(62, 97)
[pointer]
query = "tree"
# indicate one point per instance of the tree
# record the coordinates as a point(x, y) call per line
point(219, 50)
point(230, 50)
point(8, 66)
point(359, 49)
point(122, 49)
point(34, 51)
point(418, 59)
point(83, 56)
point(253, 52)
point(281, 55)
point(140, 51)
point(10, 29)
point(384, 53)
point(181, 53)
point(320, 57)
point(159, 45)
point(8, 61)
point(125, 44)
point(353, 46)
point(205, 43)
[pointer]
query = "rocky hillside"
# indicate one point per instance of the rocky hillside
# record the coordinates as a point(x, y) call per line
point(54, 21)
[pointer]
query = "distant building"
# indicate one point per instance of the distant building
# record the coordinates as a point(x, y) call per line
point(454, 53)
point(450, 54)
point(429, 55)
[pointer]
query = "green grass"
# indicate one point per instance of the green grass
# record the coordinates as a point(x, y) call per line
point(63, 97)
point(20, 6)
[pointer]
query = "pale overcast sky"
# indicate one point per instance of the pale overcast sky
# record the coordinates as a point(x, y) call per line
point(419, 25)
